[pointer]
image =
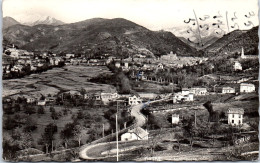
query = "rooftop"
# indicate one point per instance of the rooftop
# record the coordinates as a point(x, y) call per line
point(228, 88)
point(246, 84)
point(235, 111)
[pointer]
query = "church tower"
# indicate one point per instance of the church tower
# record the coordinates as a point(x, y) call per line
point(242, 53)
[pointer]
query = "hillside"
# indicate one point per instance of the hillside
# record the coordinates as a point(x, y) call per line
point(233, 42)
point(9, 21)
point(96, 36)
point(206, 42)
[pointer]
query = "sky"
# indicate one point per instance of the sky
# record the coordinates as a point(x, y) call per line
point(152, 14)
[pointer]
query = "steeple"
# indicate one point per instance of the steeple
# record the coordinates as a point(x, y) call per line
point(242, 53)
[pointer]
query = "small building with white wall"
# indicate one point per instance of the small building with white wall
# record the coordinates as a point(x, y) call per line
point(226, 90)
point(235, 116)
point(185, 91)
point(247, 88)
point(198, 91)
point(237, 66)
point(179, 97)
point(118, 64)
point(134, 100)
point(175, 118)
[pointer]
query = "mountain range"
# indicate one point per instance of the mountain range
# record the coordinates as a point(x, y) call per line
point(119, 37)
point(96, 36)
point(234, 41)
point(31, 20)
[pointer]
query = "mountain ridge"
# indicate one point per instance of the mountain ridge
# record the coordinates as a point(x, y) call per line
point(97, 36)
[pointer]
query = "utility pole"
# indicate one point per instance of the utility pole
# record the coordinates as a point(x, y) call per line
point(52, 145)
point(195, 119)
point(103, 130)
point(116, 140)
point(116, 107)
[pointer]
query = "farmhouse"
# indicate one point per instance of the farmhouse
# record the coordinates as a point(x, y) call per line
point(246, 87)
point(228, 90)
point(185, 91)
point(134, 100)
point(70, 56)
point(135, 134)
point(107, 97)
point(198, 91)
point(175, 118)
point(235, 116)
point(118, 64)
point(41, 102)
point(237, 66)
point(179, 97)
point(30, 100)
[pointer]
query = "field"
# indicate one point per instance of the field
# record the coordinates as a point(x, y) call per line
point(68, 78)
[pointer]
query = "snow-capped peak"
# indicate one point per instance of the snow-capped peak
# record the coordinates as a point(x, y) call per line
point(38, 19)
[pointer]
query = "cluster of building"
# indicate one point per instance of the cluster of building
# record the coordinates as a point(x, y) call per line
point(188, 94)
point(15, 60)
point(141, 63)
point(234, 116)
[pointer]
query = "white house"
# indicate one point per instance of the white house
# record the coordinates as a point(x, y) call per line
point(246, 87)
point(32, 67)
point(178, 97)
point(175, 118)
point(228, 90)
point(235, 116)
point(198, 91)
point(237, 66)
point(41, 102)
point(70, 55)
point(185, 91)
point(160, 66)
point(30, 100)
point(134, 100)
point(126, 65)
point(135, 134)
point(118, 64)
point(107, 97)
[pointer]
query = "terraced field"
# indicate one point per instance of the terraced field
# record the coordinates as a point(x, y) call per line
point(72, 77)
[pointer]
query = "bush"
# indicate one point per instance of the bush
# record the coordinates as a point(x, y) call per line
point(40, 110)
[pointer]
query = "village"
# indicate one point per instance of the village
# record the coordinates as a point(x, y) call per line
point(172, 99)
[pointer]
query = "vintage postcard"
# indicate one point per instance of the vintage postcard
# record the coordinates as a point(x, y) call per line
point(132, 80)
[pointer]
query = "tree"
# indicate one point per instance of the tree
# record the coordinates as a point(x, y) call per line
point(23, 139)
point(30, 110)
point(48, 136)
point(67, 133)
point(9, 147)
point(82, 91)
point(52, 109)
point(79, 133)
point(30, 125)
point(189, 131)
point(40, 110)
point(9, 123)
point(54, 115)
point(178, 136)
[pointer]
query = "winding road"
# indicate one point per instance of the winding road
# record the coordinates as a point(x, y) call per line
point(101, 150)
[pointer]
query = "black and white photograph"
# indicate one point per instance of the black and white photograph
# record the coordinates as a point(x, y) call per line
point(131, 80)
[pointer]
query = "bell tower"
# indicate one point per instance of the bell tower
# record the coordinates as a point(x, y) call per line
point(242, 53)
